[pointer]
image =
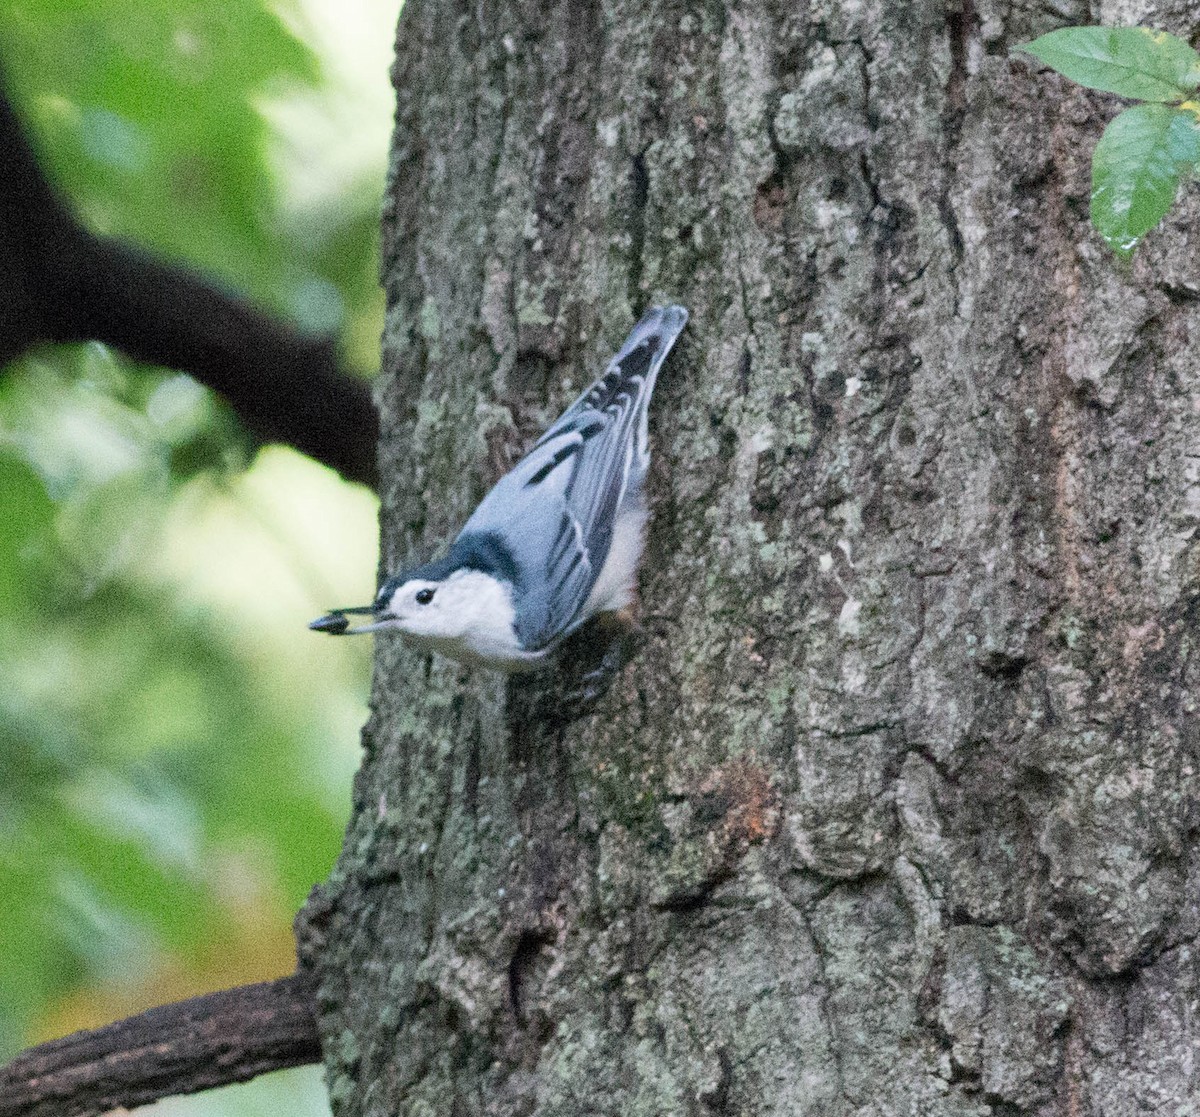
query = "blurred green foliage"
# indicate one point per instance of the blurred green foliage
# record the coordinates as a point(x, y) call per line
point(176, 749)
point(152, 116)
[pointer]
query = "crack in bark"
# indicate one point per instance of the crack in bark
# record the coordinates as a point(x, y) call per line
point(961, 26)
point(639, 193)
point(870, 179)
point(717, 1098)
point(529, 946)
point(824, 1000)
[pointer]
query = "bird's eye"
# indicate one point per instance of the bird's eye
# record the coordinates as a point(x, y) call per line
point(424, 597)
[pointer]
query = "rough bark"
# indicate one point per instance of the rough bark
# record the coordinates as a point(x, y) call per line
point(895, 812)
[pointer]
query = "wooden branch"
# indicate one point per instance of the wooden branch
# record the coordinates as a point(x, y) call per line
point(60, 282)
point(284, 386)
point(181, 1048)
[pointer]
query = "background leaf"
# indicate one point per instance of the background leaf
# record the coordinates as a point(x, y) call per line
point(1130, 61)
point(177, 753)
point(163, 122)
point(1136, 170)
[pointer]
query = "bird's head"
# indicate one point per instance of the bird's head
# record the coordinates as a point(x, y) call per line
point(419, 605)
point(433, 606)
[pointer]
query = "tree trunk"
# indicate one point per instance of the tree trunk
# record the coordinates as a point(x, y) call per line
point(894, 812)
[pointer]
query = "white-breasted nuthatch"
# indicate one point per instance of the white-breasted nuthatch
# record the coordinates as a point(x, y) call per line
point(555, 543)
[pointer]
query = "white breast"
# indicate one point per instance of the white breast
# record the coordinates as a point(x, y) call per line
point(615, 587)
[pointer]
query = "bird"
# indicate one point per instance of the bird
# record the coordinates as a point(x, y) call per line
point(554, 544)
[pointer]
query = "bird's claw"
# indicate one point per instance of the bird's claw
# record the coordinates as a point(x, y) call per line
point(592, 685)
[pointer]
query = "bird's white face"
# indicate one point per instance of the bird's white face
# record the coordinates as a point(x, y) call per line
point(468, 616)
point(415, 608)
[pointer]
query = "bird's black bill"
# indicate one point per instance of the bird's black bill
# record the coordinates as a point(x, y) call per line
point(333, 623)
point(337, 621)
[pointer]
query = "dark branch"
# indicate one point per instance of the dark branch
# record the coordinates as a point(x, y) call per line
point(208, 1041)
point(284, 386)
point(59, 282)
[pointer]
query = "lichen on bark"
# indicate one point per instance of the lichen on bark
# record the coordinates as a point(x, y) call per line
point(895, 811)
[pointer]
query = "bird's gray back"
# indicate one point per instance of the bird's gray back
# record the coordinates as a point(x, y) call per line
point(556, 509)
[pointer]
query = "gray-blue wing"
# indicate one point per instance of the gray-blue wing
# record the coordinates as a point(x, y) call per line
point(555, 511)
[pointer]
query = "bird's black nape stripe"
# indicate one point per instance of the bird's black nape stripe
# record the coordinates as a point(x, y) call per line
point(486, 552)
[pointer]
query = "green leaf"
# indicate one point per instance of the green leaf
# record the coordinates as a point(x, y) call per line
point(24, 534)
point(1130, 61)
point(136, 661)
point(1136, 170)
point(147, 116)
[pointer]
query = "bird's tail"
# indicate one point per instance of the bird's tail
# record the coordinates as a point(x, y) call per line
point(656, 331)
point(631, 373)
point(642, 356)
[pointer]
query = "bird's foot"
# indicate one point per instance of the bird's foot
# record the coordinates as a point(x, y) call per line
point(596, 676)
